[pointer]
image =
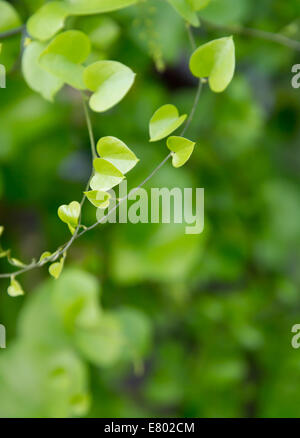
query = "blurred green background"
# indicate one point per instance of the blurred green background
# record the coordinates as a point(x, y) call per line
point(192, 326)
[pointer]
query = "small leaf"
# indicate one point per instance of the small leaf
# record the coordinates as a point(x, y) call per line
point(98, 198)
point(215, 60)
point(70, 214)
point(15, 289)
point(84, 7)
point(116, 152)
point(45, 255)
point(107, 175)
point(165, 121)
point(15, 262)
point(56, 268)
point(110, 81)
point(47, 21)
point(1, 230)
point(184, 8)
point(4, 253)
point(36, 77)
point(65, 54)
point(182, 150)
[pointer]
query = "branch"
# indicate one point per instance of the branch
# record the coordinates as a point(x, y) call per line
point(256, 33)
point(64, 248)
point(11, 32)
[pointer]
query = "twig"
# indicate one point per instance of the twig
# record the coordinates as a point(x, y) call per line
point(256, 33)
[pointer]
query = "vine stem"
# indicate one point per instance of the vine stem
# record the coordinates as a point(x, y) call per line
point(64, 248)
point(11, 32)
point(256, 33)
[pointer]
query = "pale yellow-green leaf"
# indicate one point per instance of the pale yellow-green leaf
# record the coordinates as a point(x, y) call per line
point(48, 20)
point(197, 5)
point(86, 7)
point(45, 255)
point(9, 17)
point(64, 55)
point(110, 81)
point(181, 149)
point(165, 121)
point(70, 214)
point(36, 77)
point(15, 289)
point(98, 198)
point(1, 230)
point(116, 152)
point(184, 8)
point(107, 175)
point(215, 60)
point(56, 268)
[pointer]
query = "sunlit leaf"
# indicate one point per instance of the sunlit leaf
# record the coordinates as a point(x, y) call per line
point(36, 77)
point(107, 175)
point(15, 262)
point(181, 149)
point(1, 230)
point(15, 289)
point(215, 60)
point(56, 268)
point(48, 20)
point(70, 214)
point(64, 55)
point(184, 8)
point(9, 17)
point(116, 152)
point(165, 121)
point(110, 81)
point(98, 198)
point(85, 7)
point(45, 255)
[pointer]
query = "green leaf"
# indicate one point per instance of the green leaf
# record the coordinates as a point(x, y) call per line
point(98, 198)
point(47, 21)
point(110, 81)
point(184, 9)
point(70, 214)
point(51, 17)
point(215, 60)
point(84, 7)
point(36, 77)
point(15, 262)
point(165, 121)
point(56, 268)
point(181, 149)
point(75, 298)
point(1, 230)
point(64, 55)
point(197, 5)
point(107, 175)
point(9, 18)
point(45, 255)
point(102, 344)
point(15, 289)
point(116, 152)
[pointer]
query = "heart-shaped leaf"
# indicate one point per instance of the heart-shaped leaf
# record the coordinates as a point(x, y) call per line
point(184, 9)
point(36, 77)
point(165, 121)
point(56, 268)
point(110, 81)
point(65, 54)
point(99, 199)
point(181, 149)
point(116, 152)
point(86, 7)
point(45, 255)
point(51, 17)
point(107, 176)
point(215, 60)
point(70, 214)
point(15, 289)
point(48, 20)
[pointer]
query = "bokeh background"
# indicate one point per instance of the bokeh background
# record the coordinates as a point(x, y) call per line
point(191, 325)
